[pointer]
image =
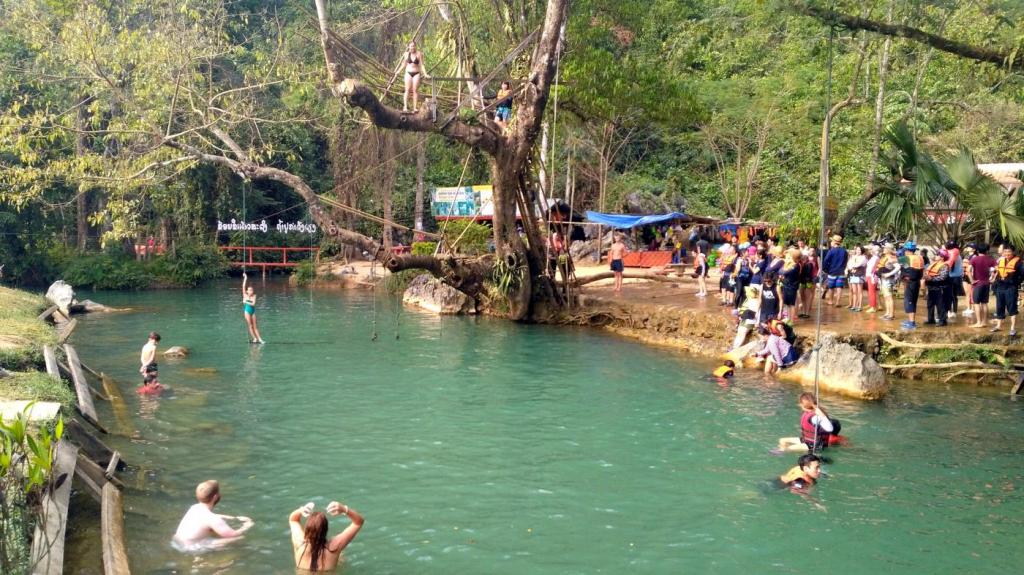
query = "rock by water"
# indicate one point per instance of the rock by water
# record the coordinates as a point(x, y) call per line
point(61, 295)
point(177, 351)
point(433, 295)
point(844, 369)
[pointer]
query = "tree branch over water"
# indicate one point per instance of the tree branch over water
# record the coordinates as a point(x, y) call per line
point(1008, 58)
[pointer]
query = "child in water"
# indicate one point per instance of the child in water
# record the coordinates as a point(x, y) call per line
point(727, 369)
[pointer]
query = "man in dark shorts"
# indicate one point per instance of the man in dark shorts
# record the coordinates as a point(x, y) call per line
point(979, 270)
point(1006, 281)
point(615, 255)
point(913, 273)
point(148, 356)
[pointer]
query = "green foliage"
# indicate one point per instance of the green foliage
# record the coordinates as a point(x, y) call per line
point(37, 386)
point(22, 333)
point(954, 354)
point(472, 238)
point(397, 283)
point(507, 277)
point(424, 248)
point(191, 265)
point(305, 273)
point(26, 465)
point(105, 271)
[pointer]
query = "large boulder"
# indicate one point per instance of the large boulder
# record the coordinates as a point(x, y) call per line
point(177, 351)
point(843, 369)
point(434, 295)
point(61, 295)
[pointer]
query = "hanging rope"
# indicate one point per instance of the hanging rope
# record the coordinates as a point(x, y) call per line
point(822, 196)
point(246, 185)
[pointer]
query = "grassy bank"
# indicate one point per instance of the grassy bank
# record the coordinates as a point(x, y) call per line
point(22, 335)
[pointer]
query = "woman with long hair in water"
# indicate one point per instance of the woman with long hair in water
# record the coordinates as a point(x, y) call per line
point(249, 310)
point(310, 546)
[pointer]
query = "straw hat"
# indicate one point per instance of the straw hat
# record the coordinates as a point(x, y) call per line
point(837, 238)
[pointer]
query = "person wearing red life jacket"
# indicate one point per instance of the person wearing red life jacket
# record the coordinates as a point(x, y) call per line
point(817, 429)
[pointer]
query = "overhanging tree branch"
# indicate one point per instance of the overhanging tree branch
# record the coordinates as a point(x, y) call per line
point(998, 57)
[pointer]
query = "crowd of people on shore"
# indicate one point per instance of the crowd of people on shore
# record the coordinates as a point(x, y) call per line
point(764, 281)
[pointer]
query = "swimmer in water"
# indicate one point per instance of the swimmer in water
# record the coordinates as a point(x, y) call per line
point(804, 475)
point(152, 386)
point(310, 546)
point(727, 369)
point(200, 524)
point(817, 429)
point(249, 309)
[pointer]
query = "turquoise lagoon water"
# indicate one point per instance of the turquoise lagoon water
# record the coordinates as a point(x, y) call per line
point(482, 446)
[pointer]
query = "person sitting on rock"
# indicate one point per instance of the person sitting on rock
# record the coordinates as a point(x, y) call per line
point(817, 429)
point(777, 353)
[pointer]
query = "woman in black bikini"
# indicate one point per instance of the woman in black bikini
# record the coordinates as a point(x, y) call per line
point(414, 67)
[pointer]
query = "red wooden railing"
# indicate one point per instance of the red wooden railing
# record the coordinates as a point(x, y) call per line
point(248, 252)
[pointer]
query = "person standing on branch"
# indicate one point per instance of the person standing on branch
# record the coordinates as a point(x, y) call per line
point(503, 110)
point(1006, 279)
point(414, 73)
point(249, 310)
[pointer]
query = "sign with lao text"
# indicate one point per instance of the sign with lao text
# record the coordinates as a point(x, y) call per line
point(263, 227)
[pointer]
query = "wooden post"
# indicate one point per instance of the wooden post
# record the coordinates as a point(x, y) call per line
point(48, 541)
point(115, 555)
point(51, 362)
point(112, 466)
point(82, 389)
point(65, 332)
point(89, 444)
point(46, 314)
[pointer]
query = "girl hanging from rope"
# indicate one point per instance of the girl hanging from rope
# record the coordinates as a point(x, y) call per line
point(414, 73)
point(249, 307)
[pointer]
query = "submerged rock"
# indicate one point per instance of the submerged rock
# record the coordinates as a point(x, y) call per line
point(62, 295)
point(844, 369)
point(433, 295)
point(89, 306)
point(177, 351)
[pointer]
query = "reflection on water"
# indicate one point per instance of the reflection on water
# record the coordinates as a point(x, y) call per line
point(480, 446)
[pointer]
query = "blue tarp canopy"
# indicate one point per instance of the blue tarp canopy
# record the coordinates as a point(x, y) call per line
point(623, 221)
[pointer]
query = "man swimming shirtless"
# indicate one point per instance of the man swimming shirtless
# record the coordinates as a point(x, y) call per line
point(200, 524)
point(148, 357)
point(615, 255)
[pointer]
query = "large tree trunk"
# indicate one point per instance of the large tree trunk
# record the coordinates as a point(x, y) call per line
point(421, 171)
point(81, 200)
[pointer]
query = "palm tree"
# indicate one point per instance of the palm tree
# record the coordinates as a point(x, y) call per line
point(944, 200)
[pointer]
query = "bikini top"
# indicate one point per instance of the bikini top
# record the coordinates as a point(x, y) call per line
point(411, 59)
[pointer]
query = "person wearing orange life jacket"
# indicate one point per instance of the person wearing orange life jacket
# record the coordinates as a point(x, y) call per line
point(727, 369)
point(805, 474)
point(936, 279)
point(888, 272)
point(727, 266)
point(1006, 278)
point(913, 272)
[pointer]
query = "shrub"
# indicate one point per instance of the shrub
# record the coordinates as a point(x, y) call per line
point(305, 273)
point(424, 248)
point(397, 283)
point(475, 238)
point(106, 271)
point(191, 265)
